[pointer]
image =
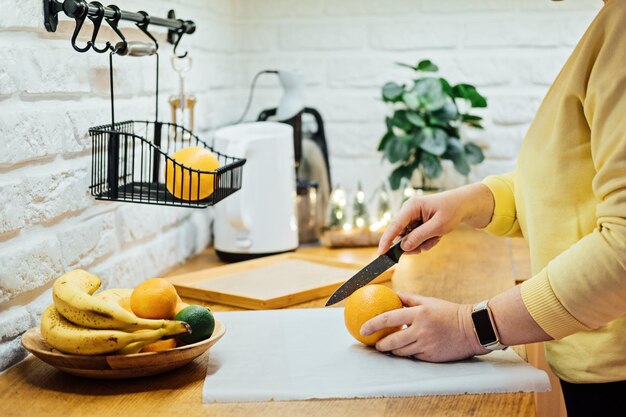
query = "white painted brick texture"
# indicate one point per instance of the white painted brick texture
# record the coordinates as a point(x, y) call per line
point(49, 97)
point(510, 49)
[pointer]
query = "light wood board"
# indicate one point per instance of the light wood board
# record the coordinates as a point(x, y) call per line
point(268, 283)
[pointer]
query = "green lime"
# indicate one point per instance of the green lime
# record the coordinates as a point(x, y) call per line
point(201, 321)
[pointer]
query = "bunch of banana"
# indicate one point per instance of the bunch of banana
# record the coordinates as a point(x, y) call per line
point(81, 323)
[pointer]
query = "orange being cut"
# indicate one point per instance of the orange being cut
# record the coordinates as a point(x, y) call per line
point(366, 303)
point(185, 182)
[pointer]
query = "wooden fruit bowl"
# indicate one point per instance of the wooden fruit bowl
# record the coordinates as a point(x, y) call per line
point(118, 366)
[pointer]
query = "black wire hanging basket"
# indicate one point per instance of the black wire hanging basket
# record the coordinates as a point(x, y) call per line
point(132, 160)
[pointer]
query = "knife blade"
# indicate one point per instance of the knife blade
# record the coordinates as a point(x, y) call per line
point(367, 274)
point(372, 270)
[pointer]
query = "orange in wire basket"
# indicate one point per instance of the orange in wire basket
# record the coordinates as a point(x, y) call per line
point(186, 184)
point(366, 303)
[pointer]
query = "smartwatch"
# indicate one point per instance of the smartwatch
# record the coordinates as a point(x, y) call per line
point(485, 328)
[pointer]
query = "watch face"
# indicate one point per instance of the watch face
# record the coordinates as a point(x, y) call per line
point(483, 326)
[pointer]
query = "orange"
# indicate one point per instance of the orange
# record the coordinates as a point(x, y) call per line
point(180, 305)
point(155, 298)
point(186, 184)
point(368, 302)
point(160, 345)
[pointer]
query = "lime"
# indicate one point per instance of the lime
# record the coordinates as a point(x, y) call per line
point(201, 321)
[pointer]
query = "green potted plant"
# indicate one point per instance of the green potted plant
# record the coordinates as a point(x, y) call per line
point(423, 129)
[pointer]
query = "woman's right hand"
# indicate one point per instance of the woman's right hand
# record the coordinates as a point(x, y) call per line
point(440, 213)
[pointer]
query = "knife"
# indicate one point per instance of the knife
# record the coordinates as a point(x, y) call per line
point(372, 270)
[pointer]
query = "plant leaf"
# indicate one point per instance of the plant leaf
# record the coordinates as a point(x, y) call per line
point(430, 93)
point(383, 141)
point(433, 141)
point(395, 178)
point(402, 64)
point(456, 153)
point(400, 120)
point(392, 92)
point(454, 149)
point(445, 114)
point(474, 154)
point(388, 123)
point(431, 165)
point(411, 99)
point(461, 165)
point(468, 92)
point(427, 66)
point(397, 148)
point(446, 87)
point(415, 119)
point(470, 118)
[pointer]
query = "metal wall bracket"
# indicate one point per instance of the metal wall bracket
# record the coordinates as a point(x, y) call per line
point(51, 10)
point(81, 9)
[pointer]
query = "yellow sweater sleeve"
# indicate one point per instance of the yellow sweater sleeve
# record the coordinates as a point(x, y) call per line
point(585, 286)
point(504, 220)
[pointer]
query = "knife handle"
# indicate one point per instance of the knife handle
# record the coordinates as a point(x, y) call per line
point(395, 251)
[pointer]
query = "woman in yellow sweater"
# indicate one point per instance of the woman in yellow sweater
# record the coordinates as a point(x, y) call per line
point(567, 198)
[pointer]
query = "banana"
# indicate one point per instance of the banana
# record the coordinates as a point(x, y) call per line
point(67, 337)
point(131, 348)
point(72, 295)
point(114, 295)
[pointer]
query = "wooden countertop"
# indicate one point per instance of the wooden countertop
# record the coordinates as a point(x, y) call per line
point(467, 266)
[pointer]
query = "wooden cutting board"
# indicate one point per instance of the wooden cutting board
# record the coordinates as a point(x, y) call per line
point(268, 283)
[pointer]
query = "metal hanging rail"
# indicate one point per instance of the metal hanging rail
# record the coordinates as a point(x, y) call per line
point(80, 9)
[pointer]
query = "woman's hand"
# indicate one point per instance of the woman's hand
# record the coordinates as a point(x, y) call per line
point(437, 330)
point(439, 213)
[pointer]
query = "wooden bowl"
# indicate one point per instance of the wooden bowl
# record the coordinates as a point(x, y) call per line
point(118, 366)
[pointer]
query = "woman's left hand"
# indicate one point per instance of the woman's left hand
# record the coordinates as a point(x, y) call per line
point(437, 330)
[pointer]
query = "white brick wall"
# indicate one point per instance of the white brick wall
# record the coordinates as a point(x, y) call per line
point(50, 95)
point(510, 49)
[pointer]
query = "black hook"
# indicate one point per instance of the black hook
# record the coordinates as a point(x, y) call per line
point(79, 11)
point(97, 21)
point(113, 21)
point(180, 32)
point(143, 26)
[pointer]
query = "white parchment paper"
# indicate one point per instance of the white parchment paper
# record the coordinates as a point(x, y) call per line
point(307, 353)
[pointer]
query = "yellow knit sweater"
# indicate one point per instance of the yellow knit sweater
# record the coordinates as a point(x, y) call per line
point(567, 198)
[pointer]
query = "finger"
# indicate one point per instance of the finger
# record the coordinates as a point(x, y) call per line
point(405, 217)
point(411, 349)
point(429, 244)
point(411, 300)
point(414, 252)
point(428, 230)
point(395, 340)
point(391, 318)
point(426, 357)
